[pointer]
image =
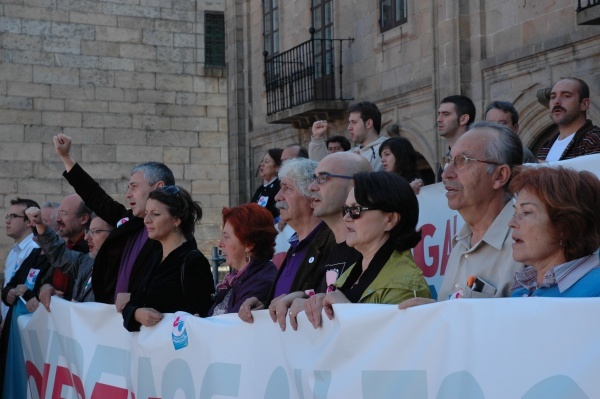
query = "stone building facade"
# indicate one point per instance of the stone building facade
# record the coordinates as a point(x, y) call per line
point(488, 50)
point(128, 81)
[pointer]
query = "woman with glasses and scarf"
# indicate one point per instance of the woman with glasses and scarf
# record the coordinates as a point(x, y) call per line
point(381, 215)
point(247, 243)
point(178, 277)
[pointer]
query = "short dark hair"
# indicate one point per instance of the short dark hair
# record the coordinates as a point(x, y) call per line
point(26, 202)
point(179, 205)
point(406, 157)
point(389, 192)
point(344, 142)
point(572, 200)
point(253, 224)
point(154, 172)
point(368, 110)
point(275, 154)
point(463, 105)
point(505, 106)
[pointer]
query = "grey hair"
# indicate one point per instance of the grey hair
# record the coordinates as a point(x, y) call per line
point(506, 148)
point(301, 171)
point(154, 172)
point(54, 205)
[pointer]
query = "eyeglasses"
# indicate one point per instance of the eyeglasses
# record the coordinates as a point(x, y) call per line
point(62, 214)
point(355, 211)
point(93, 232)
point(460, 161)
point(323, 177)
point(171, 190)
point(12, 216)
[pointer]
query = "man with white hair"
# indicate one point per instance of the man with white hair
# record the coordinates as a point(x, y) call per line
point(309, 246)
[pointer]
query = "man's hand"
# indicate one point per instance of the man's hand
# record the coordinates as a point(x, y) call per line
point(313, 307)
point(34, 214)
point(409, 303)
point(122, 300)
point(250, 304)
point(416, 185)
point(148, 317)
point(332, 298)
point(46, 292)
point(319, 128)
point(295, 309)
point(32, 304)
point(278, 309)
point(62, 145)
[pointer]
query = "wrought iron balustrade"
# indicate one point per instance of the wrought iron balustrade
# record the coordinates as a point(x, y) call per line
point(585, 4)
point(304, 74)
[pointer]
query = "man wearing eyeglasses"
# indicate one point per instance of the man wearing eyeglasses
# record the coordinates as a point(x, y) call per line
point(329, 189)
point(309, 246)
point(121, 261)
point(476, 177)
point(18, 227)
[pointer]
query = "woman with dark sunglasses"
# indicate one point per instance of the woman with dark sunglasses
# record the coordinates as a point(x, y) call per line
point(381, 215)
point(178, 277)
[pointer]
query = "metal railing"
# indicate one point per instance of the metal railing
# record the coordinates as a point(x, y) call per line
point(584, 4)
point(304, 74)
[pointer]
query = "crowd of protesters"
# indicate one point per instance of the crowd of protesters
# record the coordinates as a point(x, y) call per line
point(352, 218)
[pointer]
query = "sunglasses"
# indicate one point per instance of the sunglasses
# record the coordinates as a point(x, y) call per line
point(355, 211)
point(171, 190)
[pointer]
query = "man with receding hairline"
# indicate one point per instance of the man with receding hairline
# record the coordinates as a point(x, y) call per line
point(578, 136)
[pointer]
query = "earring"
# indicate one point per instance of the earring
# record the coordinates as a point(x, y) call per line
point(560, 244)
point(248, 257)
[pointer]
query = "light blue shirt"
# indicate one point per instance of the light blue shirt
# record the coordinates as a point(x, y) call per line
point(15, 258)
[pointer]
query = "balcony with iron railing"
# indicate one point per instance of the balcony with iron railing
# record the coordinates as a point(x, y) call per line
point(588, 12)
point(304, 83)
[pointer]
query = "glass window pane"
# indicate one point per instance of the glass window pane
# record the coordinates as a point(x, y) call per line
point(386, 13)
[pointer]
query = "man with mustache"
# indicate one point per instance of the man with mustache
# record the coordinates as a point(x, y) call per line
point(578, 136)
point(476, 176)
point(311, 244)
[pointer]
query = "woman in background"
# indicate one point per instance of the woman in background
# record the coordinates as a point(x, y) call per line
point(399, 156)
point(265, 193)
point(247, 243)
point(178, 277)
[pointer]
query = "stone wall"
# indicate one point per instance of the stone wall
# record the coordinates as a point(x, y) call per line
point(127, 80)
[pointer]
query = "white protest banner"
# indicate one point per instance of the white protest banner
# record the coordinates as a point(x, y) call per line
point(487, 348)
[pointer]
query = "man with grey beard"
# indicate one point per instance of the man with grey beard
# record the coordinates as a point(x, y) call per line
point(309, 246)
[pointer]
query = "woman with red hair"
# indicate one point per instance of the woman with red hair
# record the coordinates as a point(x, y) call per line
point(247, 243)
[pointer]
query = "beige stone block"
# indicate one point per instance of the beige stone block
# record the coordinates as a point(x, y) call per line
point(55, 75)
point(139, 154)
point(16, 73)
point(70, 119)
point(173, 82)
point(21, 151)
point(179, 155)
point(106, 120)
point(149, 122)
point(93, 18)
point(206, 85)
point(36, 13)
point(216, 112)
point(8, 186)
point(157, 97)
point(135, 80)
point(125, 136)
point(165, 138)
point(17, 102)
point(32, 58)
point(222, 124)
point(132, 108)
point(159, 66)
point(139, 23)
point(18, 41)
point(20, 117)
point(41, 133)
point(47, 104)
point(96, 77)
point(86, 106)
point(186, 98)
point(181, 110)
point(71, 92)
point(158, 38)
point(121, 35)
point(206, 155)
point(206, 186)
point(99, 153)
point(15, 168)
point(195, 124)
point(39, 186)
point(108, 49)
point(109, 94)
point(177, 54)
point(138, 51)
point(88, 136)
point(214, 140)
point(11, 132)
point(28, 89)
point(174, 26)
point(217, 100)
point(213, 172)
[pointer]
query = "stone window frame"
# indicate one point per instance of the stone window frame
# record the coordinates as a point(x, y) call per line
point(271, 26)
point(214, 39)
